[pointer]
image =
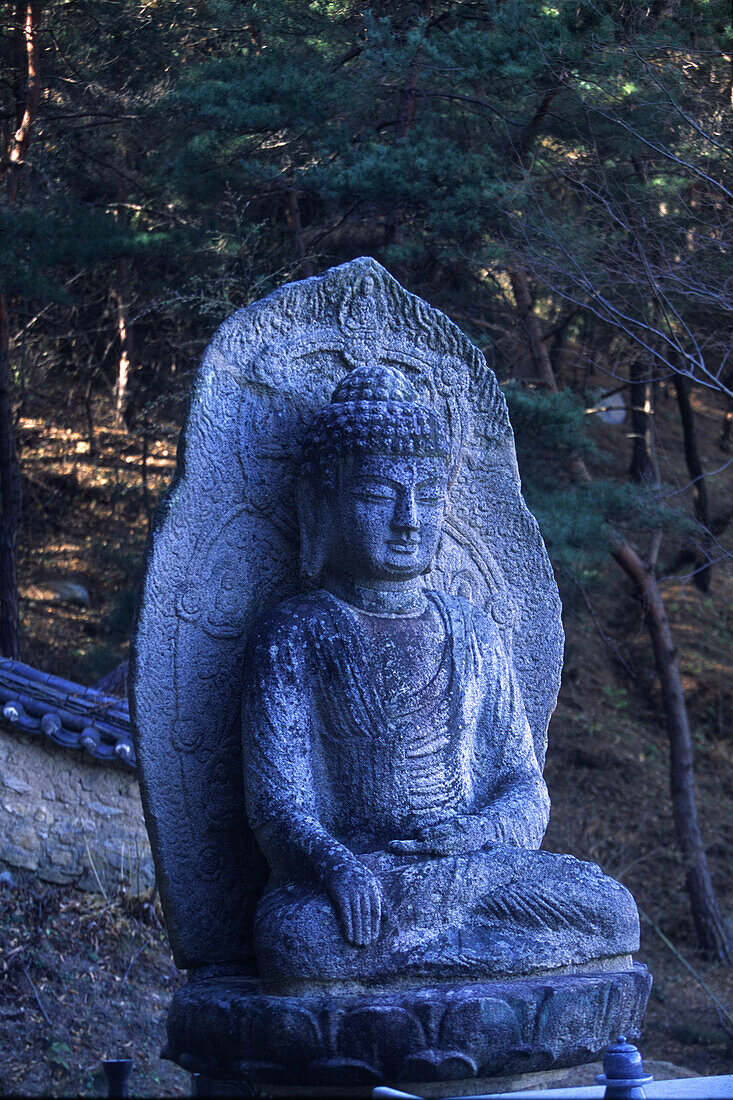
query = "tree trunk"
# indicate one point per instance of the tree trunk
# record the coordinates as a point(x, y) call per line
point(725, 431)
point(28, 95)
point(144, 472)
point(706, 916)
point(531, 326)
point(89, 411)
point(703, 572)
point(10, 497)
point(641, 469)
point(295, 225)
point(557, 349)
point(527, 134)
point(709, 926)
point(405, 115)
point(123, 395)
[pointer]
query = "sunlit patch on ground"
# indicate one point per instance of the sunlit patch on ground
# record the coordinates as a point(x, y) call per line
point(85, 521)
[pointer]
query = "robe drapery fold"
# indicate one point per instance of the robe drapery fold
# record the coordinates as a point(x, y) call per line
point(347, 752)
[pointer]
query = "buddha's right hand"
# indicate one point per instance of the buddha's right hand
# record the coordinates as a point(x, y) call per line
point(358, 902)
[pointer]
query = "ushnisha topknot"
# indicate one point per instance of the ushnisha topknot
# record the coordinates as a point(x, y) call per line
point(375, 383)
point(375, 410)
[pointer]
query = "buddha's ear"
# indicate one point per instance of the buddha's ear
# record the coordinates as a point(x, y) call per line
point(314, 521)
point(438, 550)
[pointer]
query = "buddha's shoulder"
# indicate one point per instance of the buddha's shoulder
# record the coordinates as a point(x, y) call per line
point(292, 620)
point(459, 606)
point(465, 615)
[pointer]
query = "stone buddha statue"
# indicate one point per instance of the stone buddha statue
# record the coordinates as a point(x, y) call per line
point(391, 778)
point(347, 652)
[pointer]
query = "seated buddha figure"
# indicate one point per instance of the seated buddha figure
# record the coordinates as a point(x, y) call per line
point(390, 772)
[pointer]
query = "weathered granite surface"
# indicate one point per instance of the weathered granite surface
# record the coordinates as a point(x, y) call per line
point(346, 571)
point(225, 549)
point(226, 1029)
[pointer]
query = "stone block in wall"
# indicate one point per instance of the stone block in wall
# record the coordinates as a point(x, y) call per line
point(12, 804)
point(14, 782)
point(20, 845)
point(105, 811)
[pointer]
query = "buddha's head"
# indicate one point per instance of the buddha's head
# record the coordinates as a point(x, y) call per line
point(374, 484)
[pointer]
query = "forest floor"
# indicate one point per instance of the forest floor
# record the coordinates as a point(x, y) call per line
point(83, 977)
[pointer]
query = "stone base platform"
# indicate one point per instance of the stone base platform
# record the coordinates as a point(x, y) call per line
point(227, 1030)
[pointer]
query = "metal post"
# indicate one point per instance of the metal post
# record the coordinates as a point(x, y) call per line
point(117, 1071)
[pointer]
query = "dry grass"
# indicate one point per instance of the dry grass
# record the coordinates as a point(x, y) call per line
point(82, 979)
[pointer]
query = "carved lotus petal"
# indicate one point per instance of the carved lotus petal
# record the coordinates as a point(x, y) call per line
point(486, 1028)
point(438, 1065)
point(269, 1073)
point(287, 1034)
point(341, 1071)
point(382, 1035)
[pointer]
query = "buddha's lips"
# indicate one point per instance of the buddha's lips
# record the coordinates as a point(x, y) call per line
point(404, 547)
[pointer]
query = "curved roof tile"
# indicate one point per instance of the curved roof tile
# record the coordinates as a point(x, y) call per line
point(65, 713)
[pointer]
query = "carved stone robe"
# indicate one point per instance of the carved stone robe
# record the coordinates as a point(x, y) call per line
point(359, 730)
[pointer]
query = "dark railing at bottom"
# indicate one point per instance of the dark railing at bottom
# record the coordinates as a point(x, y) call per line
point(117, 1072)
point(623, 1074)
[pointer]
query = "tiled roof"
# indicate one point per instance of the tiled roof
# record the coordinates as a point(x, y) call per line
point(65, 713)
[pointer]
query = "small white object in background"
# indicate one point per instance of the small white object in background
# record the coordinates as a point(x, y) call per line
point(69, 592)
point(51, 724)
point(611, 408)
point(13, 712)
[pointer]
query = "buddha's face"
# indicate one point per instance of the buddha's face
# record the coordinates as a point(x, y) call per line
point(387, 514)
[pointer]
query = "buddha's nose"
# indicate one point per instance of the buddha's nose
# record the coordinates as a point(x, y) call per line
point(405, 513)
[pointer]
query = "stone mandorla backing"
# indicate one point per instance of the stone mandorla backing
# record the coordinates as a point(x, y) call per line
point(224, 550)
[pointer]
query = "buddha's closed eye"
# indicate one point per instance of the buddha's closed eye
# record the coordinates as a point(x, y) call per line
point(377, 493)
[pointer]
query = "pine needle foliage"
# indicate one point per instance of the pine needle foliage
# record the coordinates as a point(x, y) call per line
point(551, 433)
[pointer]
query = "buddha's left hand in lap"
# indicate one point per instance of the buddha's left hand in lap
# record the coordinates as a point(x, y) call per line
point(461, 834)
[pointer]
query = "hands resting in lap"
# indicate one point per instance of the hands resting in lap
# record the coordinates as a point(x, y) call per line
point(355, 891)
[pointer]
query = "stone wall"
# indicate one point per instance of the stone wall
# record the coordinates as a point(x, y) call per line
point(70, 818)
